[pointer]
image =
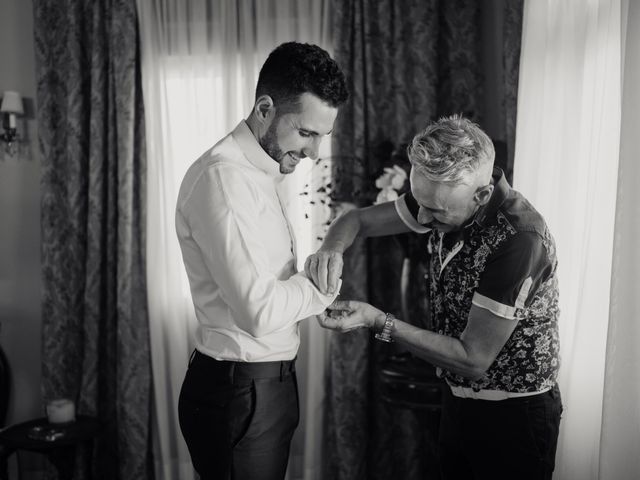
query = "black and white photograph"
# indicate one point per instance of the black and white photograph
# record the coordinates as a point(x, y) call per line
point(319, 240)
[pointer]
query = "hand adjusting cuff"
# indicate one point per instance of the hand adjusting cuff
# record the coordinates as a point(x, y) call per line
point(385, 334)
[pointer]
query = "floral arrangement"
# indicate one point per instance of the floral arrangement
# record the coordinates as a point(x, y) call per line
point(389, 183)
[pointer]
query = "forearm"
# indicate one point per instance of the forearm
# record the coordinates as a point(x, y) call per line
point(470, 356)
point(342, 232)
point(263, 306)
point(440, 350)
point(373, 221)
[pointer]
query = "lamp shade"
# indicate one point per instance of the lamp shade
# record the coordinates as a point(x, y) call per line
point(11, 103)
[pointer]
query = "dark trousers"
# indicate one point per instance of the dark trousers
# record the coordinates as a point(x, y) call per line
point(508, 439)
point(238, 418)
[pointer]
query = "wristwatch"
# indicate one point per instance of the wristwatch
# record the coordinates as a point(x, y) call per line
point(385, 334)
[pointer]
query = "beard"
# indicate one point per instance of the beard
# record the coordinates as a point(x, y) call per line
point(269, 143)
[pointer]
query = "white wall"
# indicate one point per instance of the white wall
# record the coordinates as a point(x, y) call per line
point(20, 312)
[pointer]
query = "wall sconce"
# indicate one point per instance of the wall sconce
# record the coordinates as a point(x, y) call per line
point(11, 107)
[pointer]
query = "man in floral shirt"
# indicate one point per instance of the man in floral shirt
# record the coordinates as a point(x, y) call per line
point(493, 296)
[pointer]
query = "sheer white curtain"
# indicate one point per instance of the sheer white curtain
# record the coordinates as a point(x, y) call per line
point(620, 440)
point(201, 60)
point(567, 157)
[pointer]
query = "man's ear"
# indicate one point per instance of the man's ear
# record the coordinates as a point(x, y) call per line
point(483, 194)
point(264, 109)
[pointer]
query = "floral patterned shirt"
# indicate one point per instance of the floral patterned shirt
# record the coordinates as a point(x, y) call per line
point(503, 260)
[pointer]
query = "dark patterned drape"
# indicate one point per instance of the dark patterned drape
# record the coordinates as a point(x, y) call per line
point(91, 132)
point(407, 62)
point(512, 37)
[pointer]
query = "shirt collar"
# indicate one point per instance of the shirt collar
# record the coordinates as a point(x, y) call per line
point(253, 151)
point(501, 189)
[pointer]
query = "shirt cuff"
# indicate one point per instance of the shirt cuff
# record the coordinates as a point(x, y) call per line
point(318, 301)
point(497, 308)
point(329, 299)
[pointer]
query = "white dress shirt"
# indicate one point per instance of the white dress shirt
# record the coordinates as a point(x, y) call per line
point(238, 250)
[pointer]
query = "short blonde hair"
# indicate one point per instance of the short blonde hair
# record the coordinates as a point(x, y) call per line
point(452, 150)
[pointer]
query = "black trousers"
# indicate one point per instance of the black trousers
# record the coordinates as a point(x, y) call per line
point(238, 418)
point(494, 440)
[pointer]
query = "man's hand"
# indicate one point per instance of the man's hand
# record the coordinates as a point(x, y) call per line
point(347, 315)
point(324, 268)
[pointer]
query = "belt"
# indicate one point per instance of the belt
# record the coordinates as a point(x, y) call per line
point(233, 370)
point(491, 395)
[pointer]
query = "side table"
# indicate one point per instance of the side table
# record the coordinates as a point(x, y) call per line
point(57, 441)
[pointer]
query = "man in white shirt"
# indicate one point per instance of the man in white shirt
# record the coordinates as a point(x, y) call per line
point(239, 402)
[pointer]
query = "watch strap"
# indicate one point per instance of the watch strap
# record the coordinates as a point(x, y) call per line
point(385, 334)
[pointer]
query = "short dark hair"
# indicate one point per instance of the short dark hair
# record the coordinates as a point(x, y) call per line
point(295, 68)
